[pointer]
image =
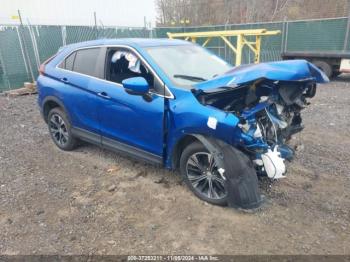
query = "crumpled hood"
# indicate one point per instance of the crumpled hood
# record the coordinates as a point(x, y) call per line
point(288, 70)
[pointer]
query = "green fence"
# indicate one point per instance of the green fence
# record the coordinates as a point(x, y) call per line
point(270, 47)
point(315, 35)
point(320, 35)
point(23, 49)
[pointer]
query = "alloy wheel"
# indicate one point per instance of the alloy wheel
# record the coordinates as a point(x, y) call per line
point(58, 129)
point(202, 172)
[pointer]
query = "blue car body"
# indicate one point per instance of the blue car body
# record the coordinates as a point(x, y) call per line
point(102, 112)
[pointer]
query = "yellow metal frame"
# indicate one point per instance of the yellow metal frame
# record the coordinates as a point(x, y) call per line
point(241, 35)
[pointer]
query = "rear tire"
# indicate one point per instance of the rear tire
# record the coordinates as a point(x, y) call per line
point(325, 67)
point(60, 129)
point(335, 74)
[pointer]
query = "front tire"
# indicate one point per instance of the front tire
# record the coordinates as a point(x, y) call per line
point(200, 173)
point(60, 129)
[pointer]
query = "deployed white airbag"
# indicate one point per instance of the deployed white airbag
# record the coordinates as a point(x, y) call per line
point(134, 62)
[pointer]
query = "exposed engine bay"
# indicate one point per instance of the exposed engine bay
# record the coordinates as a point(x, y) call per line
point(269, 113)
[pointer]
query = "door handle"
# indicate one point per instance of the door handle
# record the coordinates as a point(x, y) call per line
point(103, 94)
point(64, 80)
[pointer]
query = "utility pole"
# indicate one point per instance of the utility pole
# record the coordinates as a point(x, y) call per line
point(95, 20)
point(144, 26)
point(145, 22)
point(25, 49)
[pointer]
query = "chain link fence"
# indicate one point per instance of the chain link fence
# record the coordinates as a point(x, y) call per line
point(24, 48)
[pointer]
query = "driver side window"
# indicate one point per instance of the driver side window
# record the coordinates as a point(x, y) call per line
point(123, 64)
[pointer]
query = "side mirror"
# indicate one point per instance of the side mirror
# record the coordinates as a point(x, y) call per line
point(136, 86)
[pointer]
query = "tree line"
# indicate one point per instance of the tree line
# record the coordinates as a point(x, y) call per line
point(212, 12)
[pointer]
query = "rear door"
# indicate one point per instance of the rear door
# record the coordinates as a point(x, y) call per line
point(77, 71)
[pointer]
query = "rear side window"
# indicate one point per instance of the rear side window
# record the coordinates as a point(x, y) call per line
point(85, 61)
point(68, 62)
point(82, 61)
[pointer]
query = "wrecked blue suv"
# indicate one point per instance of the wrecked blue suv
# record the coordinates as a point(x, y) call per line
point(176, 104)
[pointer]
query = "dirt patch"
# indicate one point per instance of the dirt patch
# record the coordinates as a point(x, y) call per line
point(91, 201)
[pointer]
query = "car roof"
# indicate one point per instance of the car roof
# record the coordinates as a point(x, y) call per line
point(133, 42)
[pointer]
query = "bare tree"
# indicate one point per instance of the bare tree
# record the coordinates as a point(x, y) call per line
point(211, 12)
point(279, 6)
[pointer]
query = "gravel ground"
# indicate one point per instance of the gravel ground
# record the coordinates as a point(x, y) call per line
point(91, 201)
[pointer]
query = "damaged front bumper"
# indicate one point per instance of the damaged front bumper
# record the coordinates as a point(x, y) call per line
point(268, 99)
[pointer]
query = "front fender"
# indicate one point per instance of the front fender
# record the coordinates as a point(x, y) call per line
point(188, 117)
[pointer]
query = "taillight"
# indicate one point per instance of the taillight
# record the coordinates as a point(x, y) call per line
point(42, 66)
point(42, 69)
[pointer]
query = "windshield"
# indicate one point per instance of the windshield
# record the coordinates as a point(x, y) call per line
point(186, 65)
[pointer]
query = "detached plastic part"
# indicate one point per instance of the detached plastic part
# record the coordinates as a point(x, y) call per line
point(274, 163)
point(241, 180)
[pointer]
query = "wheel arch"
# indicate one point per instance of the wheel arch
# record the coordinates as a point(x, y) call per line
point(209, 142)
point(180, 145)
point(51, 102)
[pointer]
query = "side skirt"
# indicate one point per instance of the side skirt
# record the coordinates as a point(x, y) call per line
point(87, 136)
point(117, 146)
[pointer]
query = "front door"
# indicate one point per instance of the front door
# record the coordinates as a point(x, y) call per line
point(130, 123)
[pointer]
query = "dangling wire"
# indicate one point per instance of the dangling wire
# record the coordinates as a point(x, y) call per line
point(274, 127)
